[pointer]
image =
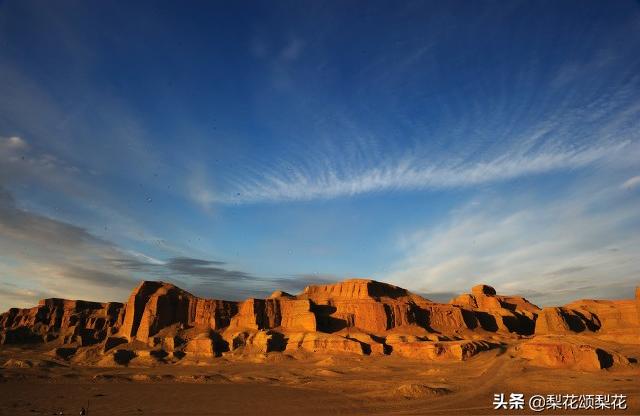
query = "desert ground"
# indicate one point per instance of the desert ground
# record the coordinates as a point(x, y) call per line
point(34, 383)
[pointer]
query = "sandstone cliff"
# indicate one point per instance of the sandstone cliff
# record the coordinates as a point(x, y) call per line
point(161, 322)
point(69, 321)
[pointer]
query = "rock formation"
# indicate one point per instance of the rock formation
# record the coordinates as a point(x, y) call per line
point(156, 305)
point(164, 323)
point(616, 320)
point(449, 350)
point(69, 321)
point(284, 312)
point(494, 312)
point(555, 353)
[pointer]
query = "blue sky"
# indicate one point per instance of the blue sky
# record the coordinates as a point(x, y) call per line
point(239, 147)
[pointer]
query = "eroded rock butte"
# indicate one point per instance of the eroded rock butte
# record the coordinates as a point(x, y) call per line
point(161, 323)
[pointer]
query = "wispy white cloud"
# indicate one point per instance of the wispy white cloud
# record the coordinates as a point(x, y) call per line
point(579, 244)
point(199, 188)
point(631, 183)
point(15, 142)
point(329, 179)
point(517, 118)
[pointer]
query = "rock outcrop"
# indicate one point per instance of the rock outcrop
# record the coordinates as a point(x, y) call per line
point(616, 320)
point(201, 347)
point(161, 322)
point(555, 353)
point(324, 343)
point(282, 312)
point(498, 313)
point(153, 306)
point(558, 321)
point(66, 321)
point(450, 350)
point(609, 318)
point(359, 303)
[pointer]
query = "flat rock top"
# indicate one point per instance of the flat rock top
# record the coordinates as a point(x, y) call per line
point(480, 290)
point(356, 289)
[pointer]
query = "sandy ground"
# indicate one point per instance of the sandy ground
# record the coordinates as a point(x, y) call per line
point(276, 384)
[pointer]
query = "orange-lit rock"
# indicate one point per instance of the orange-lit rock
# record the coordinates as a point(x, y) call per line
point(201, 347)
point(356, 316)
point(255, 341)
point(616, 320)
point(153, 306)
point(613, 319)
point(296, 315)
point(364, 304)
point(371, 344)
point(552, 321)
point(290, 314)
point(559, 354)
point(446, 319)
point(355, 289)
point(323, 343)
point(451, 350)
point(495, 312)
point(483, 290)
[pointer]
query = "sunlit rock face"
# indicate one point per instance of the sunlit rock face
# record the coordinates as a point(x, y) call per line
point(556, 353)
point(365, 304)
point(162, 322)
point(153, 306)
point(501, 313)
point(617, 320)
point(284, 312)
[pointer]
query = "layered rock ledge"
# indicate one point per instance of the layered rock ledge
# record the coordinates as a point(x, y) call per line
point(163, 323)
